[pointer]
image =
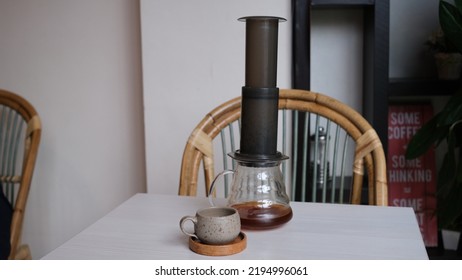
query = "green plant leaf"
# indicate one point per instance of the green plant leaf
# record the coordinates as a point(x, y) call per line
point(445, 180)
point(458, 4)
point(450, 208)
point(452, 111)
point(453, 144)
point(424, 138)
point(451, 23)
point(459, 170)
point(447, 173)
point(450, 184)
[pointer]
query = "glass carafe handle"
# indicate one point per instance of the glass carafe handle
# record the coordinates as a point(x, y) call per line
point(212, 186)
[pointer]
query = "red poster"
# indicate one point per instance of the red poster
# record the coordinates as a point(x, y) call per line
point(412, 183)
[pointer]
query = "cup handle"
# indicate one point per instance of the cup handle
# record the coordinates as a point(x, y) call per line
point(184, 220)
point(212, 186)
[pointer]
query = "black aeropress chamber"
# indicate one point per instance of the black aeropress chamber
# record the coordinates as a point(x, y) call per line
point(260, 96)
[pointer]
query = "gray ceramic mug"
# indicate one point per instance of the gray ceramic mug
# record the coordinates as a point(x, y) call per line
point(214, 225)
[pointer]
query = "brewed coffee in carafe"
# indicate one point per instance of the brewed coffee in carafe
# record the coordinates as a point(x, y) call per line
point(258, 194)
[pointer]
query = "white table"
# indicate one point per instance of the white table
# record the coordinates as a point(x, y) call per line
point(146, 226)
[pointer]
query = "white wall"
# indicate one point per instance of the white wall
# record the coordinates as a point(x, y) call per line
point(79, 64)
point(193, 59)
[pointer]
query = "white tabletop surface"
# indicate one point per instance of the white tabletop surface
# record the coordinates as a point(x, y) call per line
point(146, 226)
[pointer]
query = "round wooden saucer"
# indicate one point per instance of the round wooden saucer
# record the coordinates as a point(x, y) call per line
point(238, 245)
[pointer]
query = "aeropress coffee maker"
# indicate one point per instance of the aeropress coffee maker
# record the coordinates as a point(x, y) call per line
point(257, 190)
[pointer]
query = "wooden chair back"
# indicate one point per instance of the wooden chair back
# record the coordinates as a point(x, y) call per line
point(345, 128)
point(20, 132)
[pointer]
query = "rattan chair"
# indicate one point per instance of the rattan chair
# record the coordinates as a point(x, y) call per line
point(20, 131)
point(334, 116)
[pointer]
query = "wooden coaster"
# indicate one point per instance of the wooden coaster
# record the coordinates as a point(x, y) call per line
point(238, 245)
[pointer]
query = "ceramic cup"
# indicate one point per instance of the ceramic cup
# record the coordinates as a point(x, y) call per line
point(214, 225)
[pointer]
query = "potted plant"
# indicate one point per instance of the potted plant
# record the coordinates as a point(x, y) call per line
point(448, 58)
point(446, 127)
